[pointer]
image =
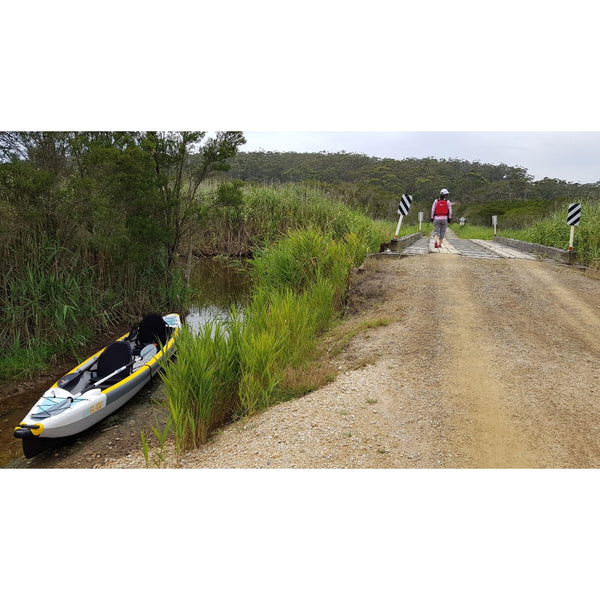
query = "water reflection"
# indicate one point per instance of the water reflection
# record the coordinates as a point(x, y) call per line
point(219, 282)
point(217, 285)
point(199, 316)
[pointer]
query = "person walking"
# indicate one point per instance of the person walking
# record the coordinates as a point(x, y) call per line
point(441, 215)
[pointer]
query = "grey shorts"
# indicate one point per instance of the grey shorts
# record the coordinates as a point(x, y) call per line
point(439, 227)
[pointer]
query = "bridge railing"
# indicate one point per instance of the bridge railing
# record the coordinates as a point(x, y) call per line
point(565, 256)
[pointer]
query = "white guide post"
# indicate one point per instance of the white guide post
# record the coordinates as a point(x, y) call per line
point(571, 237)
point(398, 228)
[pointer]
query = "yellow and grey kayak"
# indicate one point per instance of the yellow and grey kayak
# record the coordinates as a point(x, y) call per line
point(99, 385)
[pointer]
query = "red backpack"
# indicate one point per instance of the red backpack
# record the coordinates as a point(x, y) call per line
point(441, 208)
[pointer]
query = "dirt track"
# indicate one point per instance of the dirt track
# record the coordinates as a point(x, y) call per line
point(490, 363)
point(487, 363)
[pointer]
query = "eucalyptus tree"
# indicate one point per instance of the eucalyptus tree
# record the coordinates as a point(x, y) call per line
point(182, 161)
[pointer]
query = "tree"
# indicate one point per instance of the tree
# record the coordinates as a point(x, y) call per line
point(181, 164)
point(384, 178)
point(39, 162)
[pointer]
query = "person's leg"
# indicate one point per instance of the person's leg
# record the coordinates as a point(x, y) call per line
point(443, 226)
point(436, 233)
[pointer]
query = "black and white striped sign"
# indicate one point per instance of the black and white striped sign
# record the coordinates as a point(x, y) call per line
point(404, 205)
point(573, 214)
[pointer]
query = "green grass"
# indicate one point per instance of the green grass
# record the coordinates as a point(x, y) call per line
point(266, 213)
point(20, 362)
point(406, 229)
point(201, 384)
point(472, 232)
point(48, 306)
point(238, 369)
point(52, 303)
point(386, 229)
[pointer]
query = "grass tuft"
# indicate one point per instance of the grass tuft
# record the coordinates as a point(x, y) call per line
point(242, 367)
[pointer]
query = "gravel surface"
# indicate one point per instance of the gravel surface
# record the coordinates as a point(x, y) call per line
point(484, 364)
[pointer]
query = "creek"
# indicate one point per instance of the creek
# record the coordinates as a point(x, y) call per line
point(216, 285)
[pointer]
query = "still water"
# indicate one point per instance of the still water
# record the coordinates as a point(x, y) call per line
point(216, 285)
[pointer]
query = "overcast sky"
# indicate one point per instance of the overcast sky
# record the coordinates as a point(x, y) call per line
point(571, 156)
point(433, 67)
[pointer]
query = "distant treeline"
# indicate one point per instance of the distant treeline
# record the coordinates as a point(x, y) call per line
point(375, 184)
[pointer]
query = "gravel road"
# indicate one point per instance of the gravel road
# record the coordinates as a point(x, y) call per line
point(487, 364)
point(483, 364)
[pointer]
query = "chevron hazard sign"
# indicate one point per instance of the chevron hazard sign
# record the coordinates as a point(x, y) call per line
point(573, 214)
point(404, 205)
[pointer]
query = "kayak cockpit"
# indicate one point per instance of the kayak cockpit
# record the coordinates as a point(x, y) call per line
point(53, 402)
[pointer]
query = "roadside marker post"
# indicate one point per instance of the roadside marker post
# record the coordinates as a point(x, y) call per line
point(420, 220)
point(573, 217)
point(403, 209)
point(495, 222)
point(571, 238)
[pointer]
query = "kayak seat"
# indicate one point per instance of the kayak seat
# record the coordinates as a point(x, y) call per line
point(152, 330)
point(116, 355)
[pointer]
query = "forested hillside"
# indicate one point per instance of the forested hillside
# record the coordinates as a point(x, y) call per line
point(477, 189)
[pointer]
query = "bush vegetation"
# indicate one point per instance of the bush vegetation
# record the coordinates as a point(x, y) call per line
point(300, 283)
point(91, 228)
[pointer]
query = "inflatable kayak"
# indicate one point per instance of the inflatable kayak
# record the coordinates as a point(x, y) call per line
point(99, 385)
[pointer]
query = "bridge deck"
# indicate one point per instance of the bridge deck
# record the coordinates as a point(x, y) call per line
point(469, 248)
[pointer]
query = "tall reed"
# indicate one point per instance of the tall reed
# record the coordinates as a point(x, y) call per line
point(202, 382)
point(267, 213)
point(54, 300)
point(48, 304)
point(238, 369)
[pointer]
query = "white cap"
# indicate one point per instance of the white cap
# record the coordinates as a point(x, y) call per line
point(444, 192)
